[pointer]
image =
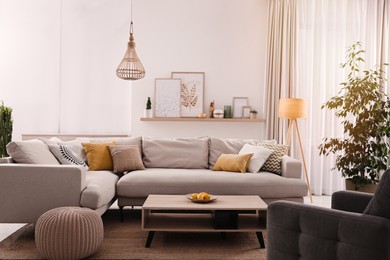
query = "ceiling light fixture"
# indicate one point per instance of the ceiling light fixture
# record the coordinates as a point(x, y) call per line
point(130, 67)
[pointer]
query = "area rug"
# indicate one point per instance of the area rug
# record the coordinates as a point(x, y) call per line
point(126, 240)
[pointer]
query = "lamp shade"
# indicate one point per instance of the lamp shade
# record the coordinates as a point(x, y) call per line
point(292, 108)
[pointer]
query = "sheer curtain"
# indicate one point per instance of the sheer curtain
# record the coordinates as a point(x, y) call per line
point(325, 29)
point(280, 62)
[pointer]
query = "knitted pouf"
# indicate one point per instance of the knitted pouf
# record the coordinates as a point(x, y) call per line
point(68, 233)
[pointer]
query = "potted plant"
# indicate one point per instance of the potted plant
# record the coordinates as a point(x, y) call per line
point(362, 154)
point(148, 111)
point(253, 114)
point(5, 128)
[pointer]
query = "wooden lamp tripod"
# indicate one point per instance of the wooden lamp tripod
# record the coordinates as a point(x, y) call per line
point(293, 108)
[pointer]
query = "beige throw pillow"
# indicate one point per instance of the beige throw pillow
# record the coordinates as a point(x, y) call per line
point(233, 162)
point(126, 158)
point(31, 151)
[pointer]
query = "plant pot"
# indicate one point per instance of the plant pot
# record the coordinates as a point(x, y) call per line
point(148, 113)
point(369, 188)
point(252, 115)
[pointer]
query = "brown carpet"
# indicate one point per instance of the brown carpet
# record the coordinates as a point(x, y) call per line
point(126, 240)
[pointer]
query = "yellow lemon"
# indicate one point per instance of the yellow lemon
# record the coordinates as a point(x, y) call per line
point(194, 196)
point(200, 196)
point(206, 196)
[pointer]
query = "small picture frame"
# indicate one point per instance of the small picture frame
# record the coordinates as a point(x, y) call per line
point(238, 104)
point(191, 93)
point(246, 112)
point(167, 98)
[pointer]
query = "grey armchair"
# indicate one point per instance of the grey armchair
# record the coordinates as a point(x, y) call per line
point(357, 227)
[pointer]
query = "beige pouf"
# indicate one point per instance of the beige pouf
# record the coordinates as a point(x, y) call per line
point(69, 233)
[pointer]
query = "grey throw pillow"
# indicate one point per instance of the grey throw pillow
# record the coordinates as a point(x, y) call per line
point(380, 202)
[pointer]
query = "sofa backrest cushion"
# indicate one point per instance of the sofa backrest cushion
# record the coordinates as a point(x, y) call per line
point(219, 146)
point(380, 203)
point(189, 153)
point(32, 151)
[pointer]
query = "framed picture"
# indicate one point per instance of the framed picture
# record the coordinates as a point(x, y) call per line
point(246, 111)
point(238, 104)
point(191, 93)
point(167, 98)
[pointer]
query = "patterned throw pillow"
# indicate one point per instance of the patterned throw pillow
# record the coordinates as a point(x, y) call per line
point(65, 155)
point(274, 161)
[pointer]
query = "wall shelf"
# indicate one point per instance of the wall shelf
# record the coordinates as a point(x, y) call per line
point(194, 119)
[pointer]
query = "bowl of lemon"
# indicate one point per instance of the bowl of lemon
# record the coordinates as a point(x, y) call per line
point(201, 197)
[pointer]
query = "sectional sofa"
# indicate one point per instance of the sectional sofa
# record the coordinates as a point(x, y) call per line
point(30, 187)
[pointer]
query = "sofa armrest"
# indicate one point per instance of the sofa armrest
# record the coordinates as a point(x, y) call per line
point(291, 167)
point(352, 201)
point(302, 231)
point(28, 190)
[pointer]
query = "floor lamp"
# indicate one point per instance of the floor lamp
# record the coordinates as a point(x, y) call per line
point(293, 108)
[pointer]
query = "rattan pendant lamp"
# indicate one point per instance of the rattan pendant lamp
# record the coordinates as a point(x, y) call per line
point(130, 67)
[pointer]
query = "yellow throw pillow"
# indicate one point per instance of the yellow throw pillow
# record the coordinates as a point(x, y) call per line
point(98, 156)
point(233, 162)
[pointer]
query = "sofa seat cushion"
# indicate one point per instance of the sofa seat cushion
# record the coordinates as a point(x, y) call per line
point(184, 181)
point(100, 189)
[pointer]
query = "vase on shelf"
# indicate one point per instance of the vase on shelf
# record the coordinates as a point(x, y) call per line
point(218, 113)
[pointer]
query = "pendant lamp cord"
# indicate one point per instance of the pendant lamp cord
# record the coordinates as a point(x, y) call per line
point(131, 16)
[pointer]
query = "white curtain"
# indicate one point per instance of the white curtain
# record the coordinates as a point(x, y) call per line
point(325, 29)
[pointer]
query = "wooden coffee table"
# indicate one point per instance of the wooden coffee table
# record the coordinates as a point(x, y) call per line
point(175, 213)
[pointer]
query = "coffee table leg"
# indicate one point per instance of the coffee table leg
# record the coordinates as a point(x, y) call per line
point(261, 239)
point(150, 238)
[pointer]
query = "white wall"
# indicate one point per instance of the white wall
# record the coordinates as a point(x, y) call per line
point(58, 61)
point(226, 39)
point(29, 63)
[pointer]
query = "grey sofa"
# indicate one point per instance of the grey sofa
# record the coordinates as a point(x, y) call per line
point(356, 228)
point(173, 166)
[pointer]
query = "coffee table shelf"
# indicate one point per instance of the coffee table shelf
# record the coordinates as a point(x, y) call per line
point(198, 222)
point(175, 213)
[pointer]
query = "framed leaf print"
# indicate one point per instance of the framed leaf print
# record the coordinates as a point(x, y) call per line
point(191, 93)
point(167, 98)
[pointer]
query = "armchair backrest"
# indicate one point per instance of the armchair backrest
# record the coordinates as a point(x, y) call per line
point(380, 202)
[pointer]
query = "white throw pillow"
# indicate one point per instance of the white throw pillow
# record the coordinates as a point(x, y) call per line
point(260, 155)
